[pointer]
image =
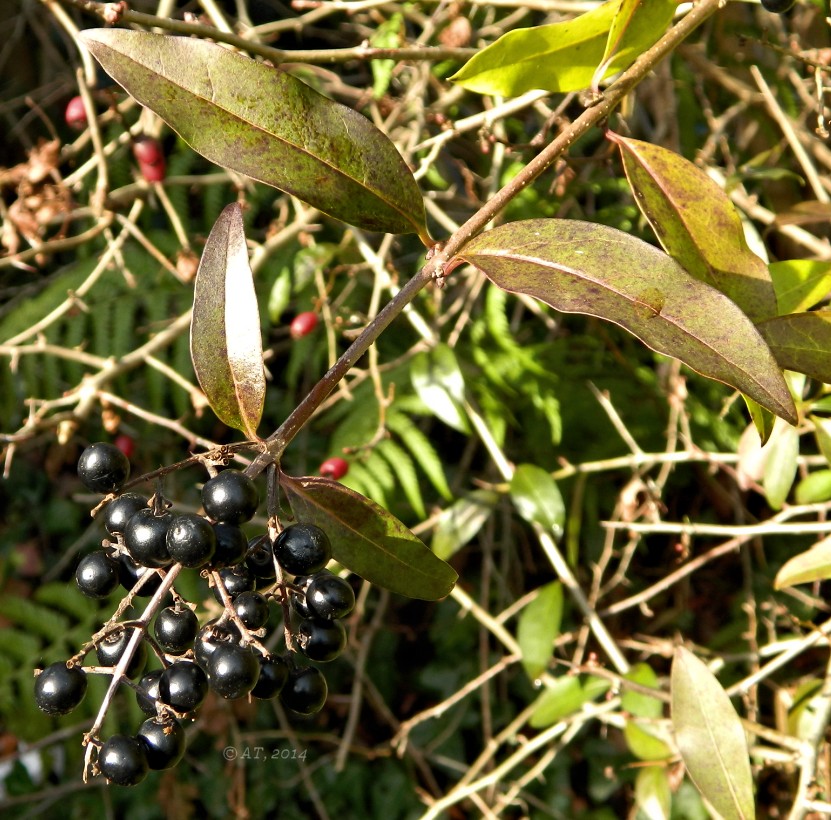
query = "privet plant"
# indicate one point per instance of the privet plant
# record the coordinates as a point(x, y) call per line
point(241, 592)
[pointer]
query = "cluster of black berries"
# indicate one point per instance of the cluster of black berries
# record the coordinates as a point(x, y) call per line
point(224, 655)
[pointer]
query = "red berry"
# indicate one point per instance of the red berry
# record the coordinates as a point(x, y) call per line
point(76, 114)
point(148, 151)
point(303, 324)
point(335, 468)
point(153, 173)
point(125, 444)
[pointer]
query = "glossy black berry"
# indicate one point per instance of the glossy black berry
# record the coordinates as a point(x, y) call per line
point(175, 629)
point(320, 641)
point(302, 549)
point(231, 545)
point(110, 650)
point(231, 497)
point(145, 537)
point(252, 609)
point(103, 468)
point(191, 540)
point(778, 6)
point(164, 742)
point(183, 686)
point(148, 691)
point(122, 760)
point(297, 596)
point(97, 574)
point(329, 596)
point(129, 573)
point(58, 689)
point(260, 560)
point(212, 635)
point(305, 691)
point(120, 510)
point(237, 579)
point(274, 672)
point(233, 670)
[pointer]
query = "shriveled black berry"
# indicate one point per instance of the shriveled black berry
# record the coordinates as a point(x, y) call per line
point(111, 649)
point(103, 468)
point(148, 691)
point(252, 609)
point(120, 510)
point(145, 537)
point(233, 670)
point(59, 689)
point(274, 672)
point(129, 572)
point(183, 686)
point(175, 629)
point(302, 549)
point(329, 596)
point(237, 579)
point(191, 540)
point(260, 560)
point(97, 574)
point(164, 742)
point(231, 497)
point(212, 635)
point(231, 545)
point(320, 641)
point(778, 6)
point(122, 760)
point(305, 691)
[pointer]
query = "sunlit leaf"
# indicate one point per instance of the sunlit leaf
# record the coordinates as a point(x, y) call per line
point(582, 267)
point(461, 521)
point(763, 419)
point(642, 732)
point(801, 342)
point(564, 56)
point(781, 453)
point(225, 342)
point(538, 627)
point(814, 488)
point(822, 434)
point(653, 795)
point(809, 566)
point(368, 540)
point(563, 697)
point(710, 737)
point(537, 497)
point(438, 382)
point(697, 224)
point(800, 283)
point(263, 122)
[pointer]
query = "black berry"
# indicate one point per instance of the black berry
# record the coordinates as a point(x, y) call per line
point(122, 760)
point(163, 740)
point(147, 692)
point(236, 579)
point(778, 6)
point(120, 510)
point(97, 574)
point(297, 596)
point(329, 596)
point(146, 538)
point(302, 549)
point(233, 670)
point(103, 468)
point(320, 641)
point(183, 686)
point(231, 545)
point(59, 689)
point(230, 497)
point(252, 609)
point(175, 629)
point(260, 560)
point(212, 635)
point(191, 540)
point(129, 573)
point(274, 673)
point(305, 691)
point(111, 649)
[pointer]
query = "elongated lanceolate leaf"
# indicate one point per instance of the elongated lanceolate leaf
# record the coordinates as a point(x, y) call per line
point(710, 738)
point(225, 342)
point(801, 342)
point(538, 628)
point(266, 124)
point(697, 224)
point(582, 267)
point(561, 56)
point(800, 283)
point(537, 497)
point(368, 540)
point(807, 567)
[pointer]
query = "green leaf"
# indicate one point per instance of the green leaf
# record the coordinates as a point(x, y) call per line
point(438, 382)
point(263, 122)
point(368, 540)
point(637, 703)
point(697, 224)
point(279, 297)
point(562, 56)
point(225, 342)
point(461, 521)
point(538, 628)
point(809, 566)
point(801, 342)
point(822, 434)
point(710, 738)
point(643, 736)
point(582, 267)
point(422, 449)
point(563, 697)
point(800, 283)
point(537, 497)
point(814, 488)
point(762, 419)
point(405, 473)
point(781, 453)
point(653, 795)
